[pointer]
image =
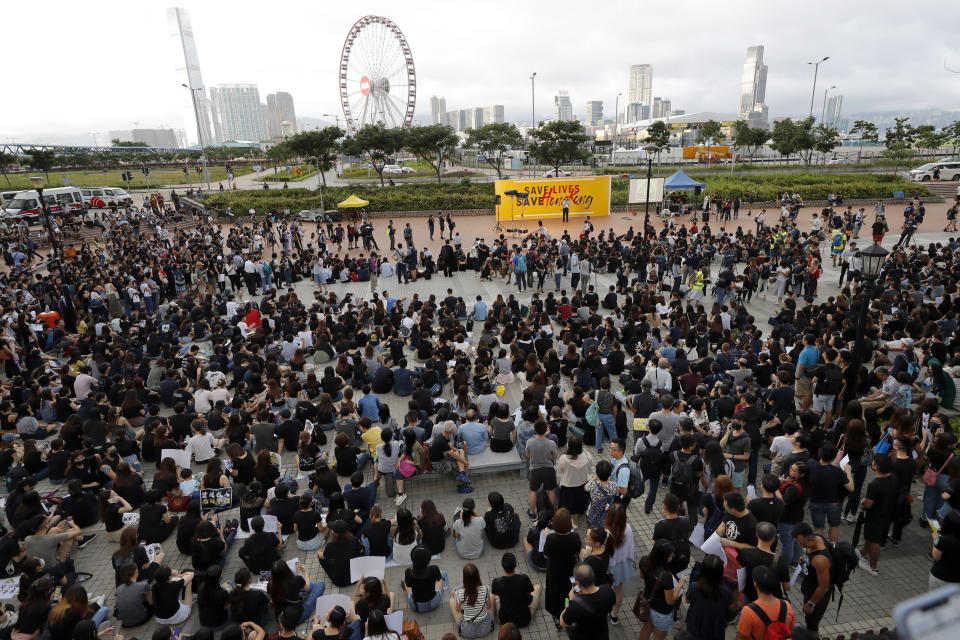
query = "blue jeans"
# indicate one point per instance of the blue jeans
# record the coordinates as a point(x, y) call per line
point(932, 502)
point(363, 459)
point(43, 473)
point(789, 548)
point(607, 423)
point(556, 280)
point(100, 616)
point(310, 600)
point(653, 483)
point(423, 607)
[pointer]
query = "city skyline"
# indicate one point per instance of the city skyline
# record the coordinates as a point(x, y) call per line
point(152, 92)
point(753, 89)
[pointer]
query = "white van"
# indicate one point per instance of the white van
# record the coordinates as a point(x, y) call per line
point(95, 197)
point(26, 204)
point(949, 170)
point(117, 196)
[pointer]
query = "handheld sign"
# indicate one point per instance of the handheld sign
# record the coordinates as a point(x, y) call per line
point(216, 499)
point(367, 567)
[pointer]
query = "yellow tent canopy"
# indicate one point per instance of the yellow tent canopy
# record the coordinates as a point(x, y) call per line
point(353, 202)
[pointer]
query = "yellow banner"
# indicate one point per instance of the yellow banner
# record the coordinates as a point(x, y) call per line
point(588, 196)
point(701, 152)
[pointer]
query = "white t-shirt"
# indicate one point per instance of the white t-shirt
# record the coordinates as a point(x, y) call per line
point(781, 446)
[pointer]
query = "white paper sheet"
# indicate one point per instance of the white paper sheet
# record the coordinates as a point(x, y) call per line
point(741, 579)
point(270, 524)
point(543, 539)
point(327, 602)
point(153, 550)
point(9, 588)
point(714, 546)
point(180, 457)
point(367, 567)
point(394, 621)
point(292, 563)
point(845, 461)
point(131, 519)
point(796, 574)
point(751, 494)
point(696, 537)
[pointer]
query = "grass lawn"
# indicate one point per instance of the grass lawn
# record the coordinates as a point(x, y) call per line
point(112, 178)
point(284, 176)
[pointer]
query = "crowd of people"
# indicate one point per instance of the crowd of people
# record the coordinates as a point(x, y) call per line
point(154, 372)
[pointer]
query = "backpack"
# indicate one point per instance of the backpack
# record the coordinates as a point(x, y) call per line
point(775, 630)
point(592, 416)
point(844, 560)
point(913, 367)
point(651, 458)
point(681, 476)
point(832, 379)
point(635, 484)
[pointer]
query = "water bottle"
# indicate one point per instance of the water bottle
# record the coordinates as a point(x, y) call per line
point(446, 585)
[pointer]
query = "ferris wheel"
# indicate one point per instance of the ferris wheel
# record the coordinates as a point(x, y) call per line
point(378, 82)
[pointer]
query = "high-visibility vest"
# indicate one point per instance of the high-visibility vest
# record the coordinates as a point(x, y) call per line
point(839, 240)
point(697, 281)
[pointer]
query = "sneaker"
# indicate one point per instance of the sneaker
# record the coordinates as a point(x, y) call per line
point(83, 576)
point(865, 565)
point(85, 540)
point(614, 620)
point(531, 515)
point(852, 519)
point(99, 600)
point(400, 498)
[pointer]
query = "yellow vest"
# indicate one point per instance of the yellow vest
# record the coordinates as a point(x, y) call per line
point(698, 281)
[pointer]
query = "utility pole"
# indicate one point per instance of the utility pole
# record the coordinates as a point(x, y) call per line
point(196, 115)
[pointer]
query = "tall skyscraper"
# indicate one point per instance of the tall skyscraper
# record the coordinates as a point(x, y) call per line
point(637, 111)
point(185, 48)
point(237, 114)
point(753, 88)
point(640, 84)
point(656, 111)
point(594, 112)
point(831, 115)
point(493, 114)
point(562, 107)
point(279, 116)
point(437, 106)
point(155, 137)
point(476, 118)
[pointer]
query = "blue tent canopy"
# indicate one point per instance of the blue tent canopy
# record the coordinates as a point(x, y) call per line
point(680, 180)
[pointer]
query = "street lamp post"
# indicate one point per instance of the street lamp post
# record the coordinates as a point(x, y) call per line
point(533, 104)
point(196, 115)
point(823, 112)
point(616, 126)
point(813, 93)
point(873, 258)
point(650, 150)
point(334, 116)
point(69, 315)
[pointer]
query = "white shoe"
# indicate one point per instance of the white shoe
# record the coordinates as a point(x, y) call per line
point(865, 565)
point(99, 600)
point(400, 498)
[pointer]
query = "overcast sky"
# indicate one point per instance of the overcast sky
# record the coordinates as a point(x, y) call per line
point(92, 66)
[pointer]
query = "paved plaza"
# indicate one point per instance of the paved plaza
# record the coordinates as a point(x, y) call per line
point(868, 600)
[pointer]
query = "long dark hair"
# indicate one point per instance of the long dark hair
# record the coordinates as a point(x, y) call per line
point(471, 584)
point(430, 517)
point(711, 577)
point(240, 580)
point(279, 576)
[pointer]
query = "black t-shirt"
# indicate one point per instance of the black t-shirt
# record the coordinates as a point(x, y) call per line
point(825, 482)
point(947, 568)
point(206, 552)
point(57, 463)
point(741, 528)
point(253, 607)
point(213, 607)
point(259, 551)
point(753, 418)
point(379, 536)
point(438, 448)
point(85, 509)
point(166, 598)
point(336, 559)
point(516, 594)
point(289, 432)
point(752, 558)
point(346, 459)
point(433, 537)
point(185, 530)
point(244, 468)
point(151, 517)
point(425, 587)
point(884, 492)
point(283, 509)
point(767, 509)
point(307, 522)
point(586, 616)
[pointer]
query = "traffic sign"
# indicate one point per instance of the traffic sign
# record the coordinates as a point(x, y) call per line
point(298, 171)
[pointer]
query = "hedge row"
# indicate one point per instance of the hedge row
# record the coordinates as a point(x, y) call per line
point(453, 196)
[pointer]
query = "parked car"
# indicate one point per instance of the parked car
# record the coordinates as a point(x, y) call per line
point(408, 169)
point(949, 170)
point(118, 196)
point(392, 168)
point(832, 162)
point(554, 174)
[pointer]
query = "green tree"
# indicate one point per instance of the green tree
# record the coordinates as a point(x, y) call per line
point(6, 159)
point(899, 141)
point(376, 144)
point(557, 143)
point(280, 153)
point(42, 160)
point(929, 138)
point(658, 135)
point(493, 141)
point(710, 131)
point(117, 142)
point(749, 138)
point(868, 133)
point(321, 146)
point(825, 139)
point(791, 137)
point(952, 132)
point(431, 143)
